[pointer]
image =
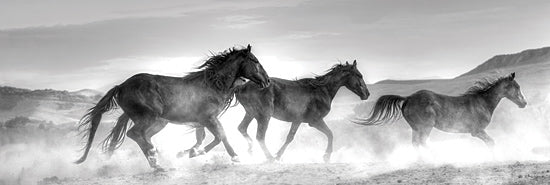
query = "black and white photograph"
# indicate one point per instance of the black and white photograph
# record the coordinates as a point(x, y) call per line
point(274, 92)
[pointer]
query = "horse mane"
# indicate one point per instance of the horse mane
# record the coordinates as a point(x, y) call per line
point(482, 86)
point(320, 80)
point(210, 67)
point(208, 73)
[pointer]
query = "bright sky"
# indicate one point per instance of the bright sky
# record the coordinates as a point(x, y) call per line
point(66, 44)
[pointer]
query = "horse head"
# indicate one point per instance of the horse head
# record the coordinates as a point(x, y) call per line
point(353, 80)
point(250, 68)
point(512, 91)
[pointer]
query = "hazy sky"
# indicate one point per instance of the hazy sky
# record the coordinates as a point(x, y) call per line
point(67, 44)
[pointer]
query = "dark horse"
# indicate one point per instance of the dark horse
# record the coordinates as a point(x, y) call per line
point(151, 101)
point(468, 113)
point(305, 100)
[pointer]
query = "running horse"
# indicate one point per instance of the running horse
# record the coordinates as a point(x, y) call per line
point(469, 113)
point(151, 101)
point(305, 100)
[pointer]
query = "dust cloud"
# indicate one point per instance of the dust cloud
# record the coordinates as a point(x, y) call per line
point(520, 135)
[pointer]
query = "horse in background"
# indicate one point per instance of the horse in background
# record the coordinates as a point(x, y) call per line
point(468, 113)
point(305, 100)
point(151, 101)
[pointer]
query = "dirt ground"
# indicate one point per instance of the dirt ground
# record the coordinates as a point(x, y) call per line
point(336, 173)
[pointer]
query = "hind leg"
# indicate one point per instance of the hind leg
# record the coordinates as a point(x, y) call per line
point(322, 126)
point(419, 139)
point(142, 132)
point(243, 130)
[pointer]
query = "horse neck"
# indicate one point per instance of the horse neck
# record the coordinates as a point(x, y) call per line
point(492, 97)
point(332, 85)
point(226, 76)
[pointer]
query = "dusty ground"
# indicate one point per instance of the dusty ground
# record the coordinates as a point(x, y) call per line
point(339, 173)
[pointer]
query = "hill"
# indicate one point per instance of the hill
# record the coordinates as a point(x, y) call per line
point(530, 56)
point(45, 104)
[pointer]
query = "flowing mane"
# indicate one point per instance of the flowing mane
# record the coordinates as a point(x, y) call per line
point(210, 76)
point(483, 85)
point(209, 69)
point(320, 80)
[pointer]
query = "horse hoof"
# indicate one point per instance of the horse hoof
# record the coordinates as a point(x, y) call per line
point(181, 154)
point(326, 158)
point(235, 159)
point(195, 153)
point(160, 169)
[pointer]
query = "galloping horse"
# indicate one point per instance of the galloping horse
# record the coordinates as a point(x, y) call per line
point(151, 101)
point(468, 113)
point(305, 100)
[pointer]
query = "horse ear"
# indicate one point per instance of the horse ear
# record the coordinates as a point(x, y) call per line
point(347, 63)
point(248, 47)
point(354, 62)
point(513, 75)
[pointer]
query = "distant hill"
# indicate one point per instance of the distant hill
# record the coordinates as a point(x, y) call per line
point(530, 56)
point(405, 81)
point(45, 104)
point(88, 93)
point(50, 94)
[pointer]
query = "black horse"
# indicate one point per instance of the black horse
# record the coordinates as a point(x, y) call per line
point(151, 101)
point(468, 113)
point(305, 100)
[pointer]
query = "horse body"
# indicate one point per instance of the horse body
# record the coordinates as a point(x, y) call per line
point(169, 98)
point(468, 113)
point(151, 101)
point(305, 100)
point(286, 100)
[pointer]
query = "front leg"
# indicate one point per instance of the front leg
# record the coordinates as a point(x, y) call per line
point(322, 126)
point(215, 127)
point(485, 137)
point(289, 139)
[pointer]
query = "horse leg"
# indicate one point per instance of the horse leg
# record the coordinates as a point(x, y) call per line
point(322, 126)
point(423, 136)
point(243, 127)
point(289, 139)
point(416, 139)
point(420, 136)
point(195, 150)
point(263, 122)
point(141, 133)
point(214, 126)
point(485, 137)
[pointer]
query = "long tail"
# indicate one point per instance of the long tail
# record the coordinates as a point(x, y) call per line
point(386, 109)
point(117, 135)
point(90, 121)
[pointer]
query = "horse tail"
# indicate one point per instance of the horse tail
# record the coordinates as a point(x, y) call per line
point(90, 121)
point(115, 139)
point(386, 109)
